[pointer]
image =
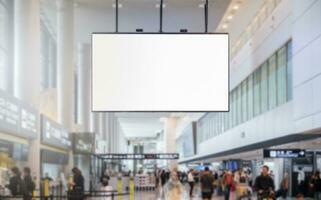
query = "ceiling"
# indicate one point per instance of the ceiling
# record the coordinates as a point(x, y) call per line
point(98, 16)
point(148, 124)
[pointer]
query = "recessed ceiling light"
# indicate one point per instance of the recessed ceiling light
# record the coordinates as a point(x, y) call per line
point(224, 26)
point(158, 5)
point(119, 5)
point(236, 7)
point(201, 5)
point(230, 17)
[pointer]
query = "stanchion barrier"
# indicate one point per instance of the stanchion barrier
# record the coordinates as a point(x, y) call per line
point(69, 197)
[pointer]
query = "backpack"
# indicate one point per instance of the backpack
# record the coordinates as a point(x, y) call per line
point(228, 180)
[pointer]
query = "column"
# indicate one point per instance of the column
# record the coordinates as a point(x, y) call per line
point(83, 81)
point(92, 122)
point(27, 66)
point(169, 138)
point(97, 123)
point(27, 69)
point(103, 126)
point(65, 62)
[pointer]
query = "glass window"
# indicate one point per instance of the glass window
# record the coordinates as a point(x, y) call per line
point(48, 58)
point(257, 91)
point(244, 100)
point(250, 97)
point(234, 108)
point(289, 71)
point(239, 104)
point(264, 87)
point(281, 76)
point(272, 82)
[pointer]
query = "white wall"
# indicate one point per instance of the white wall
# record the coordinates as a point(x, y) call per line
point(299, 20)
point(307, 64)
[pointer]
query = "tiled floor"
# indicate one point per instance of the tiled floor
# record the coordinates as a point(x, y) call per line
point(153, 195)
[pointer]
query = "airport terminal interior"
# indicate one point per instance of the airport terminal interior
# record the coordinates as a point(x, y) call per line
point(56, 144)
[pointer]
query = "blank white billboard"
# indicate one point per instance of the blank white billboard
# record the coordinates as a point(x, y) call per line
point(160, 72)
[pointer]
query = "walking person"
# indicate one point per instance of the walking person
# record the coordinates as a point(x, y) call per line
point(29, 185)
point(207, 183)
point(227, 184)
point(284, 187)
point(77, 184)
point(15, 183)
point(316, 184)
point(191, 182)
point(264, 184)
point(173, 189)
point(106, 189)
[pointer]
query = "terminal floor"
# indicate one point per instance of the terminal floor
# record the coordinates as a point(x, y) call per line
point(153, 195)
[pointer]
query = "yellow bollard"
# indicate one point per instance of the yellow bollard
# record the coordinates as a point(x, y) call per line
point(119, 188)
point(46, 188)
point(131, 189)
point(34, 192)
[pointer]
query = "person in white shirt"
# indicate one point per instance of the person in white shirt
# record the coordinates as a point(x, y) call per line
point(190, 179)
point(106, 189)
point(301, 178)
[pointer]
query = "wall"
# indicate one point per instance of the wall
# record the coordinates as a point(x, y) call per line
point(297, 20)
point(307, 64)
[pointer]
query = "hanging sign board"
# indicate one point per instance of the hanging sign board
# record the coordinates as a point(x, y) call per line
point(17, 118)
point(283, 153)
point(54, 134)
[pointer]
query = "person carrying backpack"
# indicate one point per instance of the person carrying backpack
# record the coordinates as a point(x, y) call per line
point(227, 183)
point(15, 183)
point(207, 184)
point(29, 185)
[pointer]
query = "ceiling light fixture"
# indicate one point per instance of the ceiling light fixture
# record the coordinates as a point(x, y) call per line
point(158, 5)
point(230, 17)
point(224, 26)
point(119, 5)
point(236, 7)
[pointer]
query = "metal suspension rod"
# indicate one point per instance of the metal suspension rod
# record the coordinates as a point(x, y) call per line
point(116, 23)
point(161, 16)
point(206, 16)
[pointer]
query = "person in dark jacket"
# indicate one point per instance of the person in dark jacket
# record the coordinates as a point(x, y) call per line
point(316, 184)
point(28, 184)
point(15, 183)
point(264, 184)
point(78, 184)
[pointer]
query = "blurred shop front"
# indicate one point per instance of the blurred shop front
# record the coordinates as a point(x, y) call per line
point(55, 148)
point(18, 129)
point(83, 148)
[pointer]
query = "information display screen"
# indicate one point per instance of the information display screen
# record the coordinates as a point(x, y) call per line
point(160, 72)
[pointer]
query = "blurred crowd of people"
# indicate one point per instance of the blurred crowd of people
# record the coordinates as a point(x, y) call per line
point(172, 184)
point(240, 183)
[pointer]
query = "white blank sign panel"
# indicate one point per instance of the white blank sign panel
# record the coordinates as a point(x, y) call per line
point(160, 72)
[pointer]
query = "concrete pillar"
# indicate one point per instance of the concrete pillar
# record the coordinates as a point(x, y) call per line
point(53, 65)
point(27, 70)
point(92, 122)
point(83, 82)
point(169, 138)
point(65, 62)
point(97, 123)
point(7, 75)
point(103, 126)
